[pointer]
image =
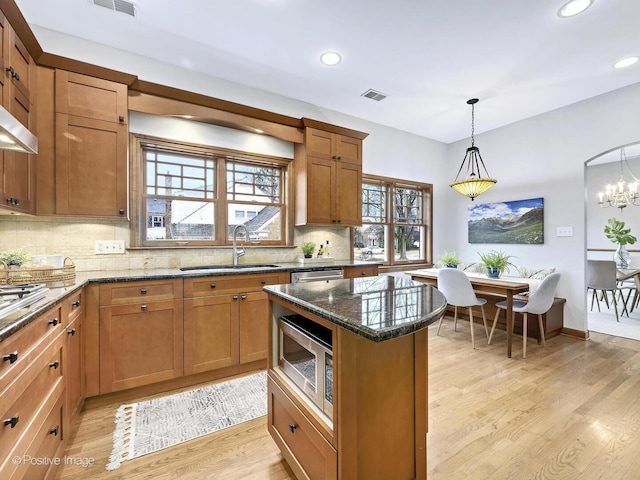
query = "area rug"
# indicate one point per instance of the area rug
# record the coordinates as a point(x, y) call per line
point(152, 425)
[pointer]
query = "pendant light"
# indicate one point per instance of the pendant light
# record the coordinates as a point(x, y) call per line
point(474, 184)
point(621, 194)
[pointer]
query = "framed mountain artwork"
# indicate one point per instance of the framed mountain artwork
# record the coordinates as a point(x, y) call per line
point(518, 221)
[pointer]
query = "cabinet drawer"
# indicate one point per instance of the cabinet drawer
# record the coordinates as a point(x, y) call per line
point(22, 400)
point(143, 291)
point(361, 271)
point(73, 306)
point(307, 452)
point(205, 286)
point(19, 348)
point(46, 442)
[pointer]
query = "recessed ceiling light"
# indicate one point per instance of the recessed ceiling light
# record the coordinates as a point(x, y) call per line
point(574, 7)
point(626, 62)
point(330, 58)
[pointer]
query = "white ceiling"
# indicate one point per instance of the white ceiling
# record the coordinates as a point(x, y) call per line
point(429, 56)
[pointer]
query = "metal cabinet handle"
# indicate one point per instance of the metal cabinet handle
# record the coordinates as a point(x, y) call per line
point(71, 332)
point(363, 274)
point(53, 322)
point(54, 431)
point(13, 421)
point(263, 282)
point(11, 358)
point(54, 365)
point(235, 297)
point(143, 307)
point(13, 73)
point(76, 303)
point(292, 427)
point(213, 285)
point(244, 297)
point(143, 291)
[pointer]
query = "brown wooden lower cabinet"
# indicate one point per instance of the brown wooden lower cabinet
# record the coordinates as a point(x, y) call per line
point(32, 403)
point(307, 452)
point(210, 333)
point(140, 344)
point(360, 271)
point(379, 425)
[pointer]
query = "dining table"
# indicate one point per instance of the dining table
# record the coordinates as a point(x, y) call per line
point(482, 283)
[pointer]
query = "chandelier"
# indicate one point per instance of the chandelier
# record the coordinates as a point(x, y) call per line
point(620, 194)
point(474, 184)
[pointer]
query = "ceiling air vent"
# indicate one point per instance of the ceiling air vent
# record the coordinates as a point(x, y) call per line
point(374, 95)
point(122, 6)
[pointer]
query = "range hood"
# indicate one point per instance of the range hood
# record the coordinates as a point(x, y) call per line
point(15, 136)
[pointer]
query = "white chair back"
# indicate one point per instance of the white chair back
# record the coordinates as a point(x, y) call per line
point(601, 274)
point(541, 299)
point(456, 287)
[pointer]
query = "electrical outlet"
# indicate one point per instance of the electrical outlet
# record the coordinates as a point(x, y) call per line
point(109, 247)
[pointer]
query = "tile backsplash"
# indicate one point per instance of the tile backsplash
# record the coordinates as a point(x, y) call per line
point(75, 238)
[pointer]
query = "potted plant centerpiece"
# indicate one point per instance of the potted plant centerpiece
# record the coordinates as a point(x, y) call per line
point(307, 249)
point(496, 262)
point(15, 258)
point(616, 232)
point(450, 259)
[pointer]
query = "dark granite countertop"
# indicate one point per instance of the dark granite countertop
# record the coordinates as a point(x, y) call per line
point(378, 308)
point(19, 319)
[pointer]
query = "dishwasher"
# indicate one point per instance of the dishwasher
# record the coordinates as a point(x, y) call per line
point(316, 275)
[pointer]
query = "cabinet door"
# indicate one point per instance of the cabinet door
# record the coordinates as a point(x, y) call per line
point(210, 333)
point(348, 149)
point(20, 70)
point(17, 173)
point(320, 186)
point(140, 344)
point(91, 167)
point(319, 144)
point(348, 194)
point(73, 371)
point(90, 97)
point(254, 326)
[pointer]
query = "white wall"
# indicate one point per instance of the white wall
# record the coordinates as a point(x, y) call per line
point(597, 177)
point(544, 156)
point(539, 157)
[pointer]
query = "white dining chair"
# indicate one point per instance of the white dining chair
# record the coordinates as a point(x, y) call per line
point(539, 302)
point(458, 291)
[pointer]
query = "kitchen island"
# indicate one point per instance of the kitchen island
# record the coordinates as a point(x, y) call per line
point(375, 380)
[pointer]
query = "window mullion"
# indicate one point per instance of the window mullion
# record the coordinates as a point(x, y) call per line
point(221, 220)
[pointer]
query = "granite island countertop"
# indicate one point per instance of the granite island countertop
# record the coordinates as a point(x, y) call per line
point(377, 308)
point(10, 324)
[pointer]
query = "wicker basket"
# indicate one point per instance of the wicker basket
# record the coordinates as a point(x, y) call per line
point(51, 276)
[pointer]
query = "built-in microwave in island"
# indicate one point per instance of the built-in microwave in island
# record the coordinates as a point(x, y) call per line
point(305, 357)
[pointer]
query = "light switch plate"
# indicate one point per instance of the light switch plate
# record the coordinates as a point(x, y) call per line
point(109, 247)
point(564, 232)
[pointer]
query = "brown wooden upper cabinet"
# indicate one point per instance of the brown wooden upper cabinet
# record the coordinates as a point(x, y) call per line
point(17, 81)
point(329, 178)
point(90, 146)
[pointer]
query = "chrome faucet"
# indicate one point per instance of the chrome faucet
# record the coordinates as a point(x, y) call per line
point(238, 253)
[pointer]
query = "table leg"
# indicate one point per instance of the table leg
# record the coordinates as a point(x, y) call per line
point(509, 322)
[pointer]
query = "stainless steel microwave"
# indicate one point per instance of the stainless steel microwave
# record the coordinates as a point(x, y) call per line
point(305, 356)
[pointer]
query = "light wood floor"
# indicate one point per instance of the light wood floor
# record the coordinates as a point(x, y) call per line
point(570, 410)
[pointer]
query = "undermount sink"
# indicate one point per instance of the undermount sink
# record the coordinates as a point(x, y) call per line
point(228, 267)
